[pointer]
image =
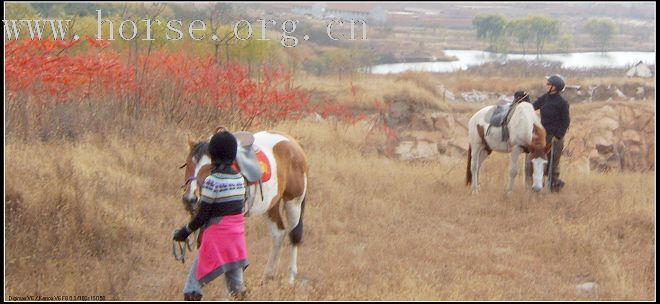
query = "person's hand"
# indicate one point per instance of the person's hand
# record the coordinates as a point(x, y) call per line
point(181, 234)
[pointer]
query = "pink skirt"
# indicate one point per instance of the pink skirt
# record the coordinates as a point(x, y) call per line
point(223, 248)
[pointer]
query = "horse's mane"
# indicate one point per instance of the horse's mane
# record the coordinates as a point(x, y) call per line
point(199, 149)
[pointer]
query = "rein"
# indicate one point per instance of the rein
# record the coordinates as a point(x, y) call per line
point(181, 254)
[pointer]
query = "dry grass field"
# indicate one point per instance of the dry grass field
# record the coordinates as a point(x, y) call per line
point(426, 89)
point(94, 215)
point(95, 135)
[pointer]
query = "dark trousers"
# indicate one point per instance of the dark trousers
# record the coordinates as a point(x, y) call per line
point(556, 150)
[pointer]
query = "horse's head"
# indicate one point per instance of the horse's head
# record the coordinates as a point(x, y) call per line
point(197, 167)
point(538, 153)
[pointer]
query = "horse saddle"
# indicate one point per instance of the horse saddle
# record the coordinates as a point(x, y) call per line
point(499, 118)
point(499, 114)
point(246, 157)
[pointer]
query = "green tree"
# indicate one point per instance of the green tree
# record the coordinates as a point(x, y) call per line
point(254, 52)
point(216, 15)
point(544, 29)
point(601, 30)
point(491, 28)
point(337, 60)
point(565, 42)
point(521, 29)
point(49, 10)
point(362, 58)
point(18, 11)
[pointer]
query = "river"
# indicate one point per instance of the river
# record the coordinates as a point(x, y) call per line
point(467, 58)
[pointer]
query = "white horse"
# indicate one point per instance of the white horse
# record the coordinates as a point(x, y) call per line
point(282, 197)
point(525, 135)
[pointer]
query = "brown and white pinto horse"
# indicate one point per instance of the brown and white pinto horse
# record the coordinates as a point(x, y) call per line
point(282, 197)
point(525, 135)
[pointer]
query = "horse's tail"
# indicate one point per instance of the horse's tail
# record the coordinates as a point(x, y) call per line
point(296, 234)
point(468, 174)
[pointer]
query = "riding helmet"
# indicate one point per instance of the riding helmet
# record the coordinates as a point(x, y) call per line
point(557, 81)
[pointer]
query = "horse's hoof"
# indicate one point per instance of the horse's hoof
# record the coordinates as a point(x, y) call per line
point(475, 192)
point(292, 281)
point(509, 193)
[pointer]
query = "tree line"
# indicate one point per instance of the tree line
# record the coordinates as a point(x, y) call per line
point(534, 32)
point(324, 56)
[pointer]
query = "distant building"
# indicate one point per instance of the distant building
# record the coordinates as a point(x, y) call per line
point(315, 10)
point(344, 11)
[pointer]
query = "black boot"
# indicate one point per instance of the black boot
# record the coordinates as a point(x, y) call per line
point(193, 296)
point(557, 185)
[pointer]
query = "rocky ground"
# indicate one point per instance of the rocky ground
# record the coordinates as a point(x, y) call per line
point(607, 134)
point(574, 94)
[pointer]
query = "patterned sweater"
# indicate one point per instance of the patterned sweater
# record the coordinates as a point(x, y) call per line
point(222, 194)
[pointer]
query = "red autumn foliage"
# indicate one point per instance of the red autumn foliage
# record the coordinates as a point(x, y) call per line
point(42, 70)
point(46, 72)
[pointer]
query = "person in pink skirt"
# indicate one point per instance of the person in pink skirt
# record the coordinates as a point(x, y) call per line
point(223, 249)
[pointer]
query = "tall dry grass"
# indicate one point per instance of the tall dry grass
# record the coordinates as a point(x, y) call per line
point(93, 215)
point(362, 90)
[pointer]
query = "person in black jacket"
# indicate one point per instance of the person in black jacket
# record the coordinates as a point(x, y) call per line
point(555, 118)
